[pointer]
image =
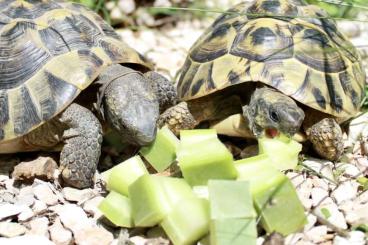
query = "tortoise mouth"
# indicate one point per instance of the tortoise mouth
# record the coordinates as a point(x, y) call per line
point(272, 132)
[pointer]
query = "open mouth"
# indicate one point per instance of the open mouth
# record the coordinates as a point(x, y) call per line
point(272, 132)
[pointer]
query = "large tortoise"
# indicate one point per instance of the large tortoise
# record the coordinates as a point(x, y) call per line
point(283, 64)
point(51, 51)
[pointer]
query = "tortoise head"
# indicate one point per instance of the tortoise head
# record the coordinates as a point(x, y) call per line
point(271, 112)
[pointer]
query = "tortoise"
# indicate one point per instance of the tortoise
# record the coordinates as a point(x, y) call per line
point(64, 74)
point(282, 64)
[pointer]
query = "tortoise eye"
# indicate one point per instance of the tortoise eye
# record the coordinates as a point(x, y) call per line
point(274, 116)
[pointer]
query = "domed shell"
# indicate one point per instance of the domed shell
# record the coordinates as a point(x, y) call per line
point(287, 45)
point(49, 52)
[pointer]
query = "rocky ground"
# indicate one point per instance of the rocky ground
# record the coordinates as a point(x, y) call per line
point(35, 209)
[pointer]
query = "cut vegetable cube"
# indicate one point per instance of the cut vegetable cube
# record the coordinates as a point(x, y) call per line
point(187, 222)
point(117, 208)
point(204, 159)
point(189, 137)
point(230, 199)
point(280, 208)
point(162, 151)
point(282, 151)
point(201, 191)
point(260, 174)
point(233, 232)
point(152, 197)
point(124, 174)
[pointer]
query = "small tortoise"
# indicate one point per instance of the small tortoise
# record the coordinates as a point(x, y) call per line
point(282, 64)
point(51, 51)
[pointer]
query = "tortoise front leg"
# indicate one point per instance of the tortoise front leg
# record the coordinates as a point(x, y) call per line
point(326, 137)
point(81, 152)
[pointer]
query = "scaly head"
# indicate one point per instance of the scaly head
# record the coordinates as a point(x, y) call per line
point(271, 112)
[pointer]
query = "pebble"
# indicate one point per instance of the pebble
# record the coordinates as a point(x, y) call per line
point(60, 235)
point(321, 166)
point(349, 170)
point(311, 221)
point(41, 168)
point(8, 210)
point(11, 229)
point(317, 234)
point(39, 226)
point(44, 193)
point(93, 236)
point(355, 238)
point(319, 196)
point(73, 217)
point(91, 206)
point(39, 207)
point(334, 216)
point(26, 239)
point(25, 196)
point(26, 214)
point(345, 191)
point(126, 6)
point(76, 195)
point(359, 215)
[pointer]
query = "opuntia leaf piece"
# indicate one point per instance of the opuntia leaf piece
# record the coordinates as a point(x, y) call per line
point(205, 158)
point(152, 197)
point(187, 222)
point(282, 151)
point(117, 208)
point(161, 153)
point(230, 199)
point(233, 232)
point(124, 174)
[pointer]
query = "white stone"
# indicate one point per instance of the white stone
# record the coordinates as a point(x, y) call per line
point(335, 216)
point(11, 229)
point(323, 167)
point(59, 234)
point(44, 193)
point(39, 207)
point(26, 239)
point(8, 210)
point(320, 183)
point(73, 217)
point(345, 191)
point(26, 214)
point(359, 215)
point(319, 195)
point(76, 195)
point(126, 6)
point(311, 221)
point(304, 192)
point(138, 240)
point(294, 238)
point(349, 170)
point(39, 226)
point(93, 236)
point(91, 206)
point(357, 126)
point(317, 234)
point(355, 238)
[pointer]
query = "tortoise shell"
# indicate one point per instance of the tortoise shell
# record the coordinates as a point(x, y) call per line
point(285, 44)
point(49, 52)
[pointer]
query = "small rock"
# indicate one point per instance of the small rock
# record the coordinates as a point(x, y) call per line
point(317, 234)
point(331, 213)
point(76, 195)
point(320, 183)
point(26, 239)
point(138, 240)
point(325, 168)
point(73, 217)
point(8, 210)
point(349, 170)
point(116, 15)
point(7, 197)
point(355, 238)
point(319, 196)
point(11, 229)
point(359, 215)
point(311, 221)
point(93, 236)
point(41, 168)
point(25, 196)
point(39, 227)
point(304, 192)
point(126, 6)
point(59, 234)
point(3, 177)
point(294, 238)
point(39, 207)
point(91, 206)
point(26, 214)
point(45, 194)
point(345, 191)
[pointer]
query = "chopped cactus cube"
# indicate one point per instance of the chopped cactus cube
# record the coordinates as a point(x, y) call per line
point(280, 208)
point(152, 197)
point(204, 159)
point(188, 222)
point(124, 174)
point(189, 137)
point(230, 199)
point(117, 208)
point(233, 232)
point(282, 151)
point(161, 153)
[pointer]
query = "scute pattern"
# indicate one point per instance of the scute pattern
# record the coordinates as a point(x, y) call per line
point(306, 58)
point(49, 52)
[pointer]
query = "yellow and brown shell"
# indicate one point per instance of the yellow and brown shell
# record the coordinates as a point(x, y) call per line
point(49, 52)
point(285, 44)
